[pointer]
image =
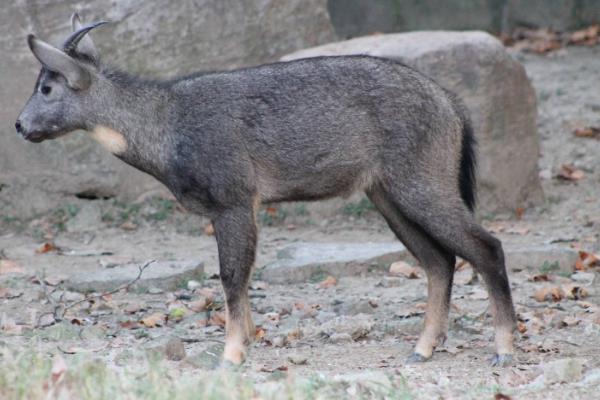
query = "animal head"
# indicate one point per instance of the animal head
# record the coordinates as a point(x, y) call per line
point(66, 85)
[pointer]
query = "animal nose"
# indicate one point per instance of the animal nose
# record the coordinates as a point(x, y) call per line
point(19, 127)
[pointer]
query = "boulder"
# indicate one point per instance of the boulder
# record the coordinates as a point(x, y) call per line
point(165, 275)
point(495, 89)
point(152, 38)
point(301, 262)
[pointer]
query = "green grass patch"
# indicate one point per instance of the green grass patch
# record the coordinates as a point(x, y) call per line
point(358, 209)
point(549, 268)
point(33, 376)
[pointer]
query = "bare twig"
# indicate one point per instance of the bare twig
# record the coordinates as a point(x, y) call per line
point(61, 309)
point(118, 289)
point(57, 308)
point(199, 340)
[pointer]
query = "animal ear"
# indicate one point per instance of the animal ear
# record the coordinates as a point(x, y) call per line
point(55, 60)
point(85, 46)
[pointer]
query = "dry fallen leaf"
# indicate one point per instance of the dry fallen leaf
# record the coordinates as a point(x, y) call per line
point(402, 268)
point(10, 267)
point(549, 294)
point(209, 293)
point(8, 293)
point(128, 226)
point(133, 308)
point(47, 248)
point(569, 173)
point(540, 278)
point(217, 319)
point(573, 292)
point(199, 305)
point(519, 212)
point(496, 226)
point(586, 260)
point(521, 327)
point(588, 132)
point(328, 282)
point(585, 37)
point(259, 334)
point(154, 320)
point(570, 321)
point(294, 334)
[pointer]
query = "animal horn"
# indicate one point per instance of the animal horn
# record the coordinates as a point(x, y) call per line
point(73, 40)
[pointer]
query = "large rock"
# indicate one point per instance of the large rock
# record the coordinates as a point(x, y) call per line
point(495, 89)
point(353, 18)
point(165, 275)
point(157, 38)
point(301, 262)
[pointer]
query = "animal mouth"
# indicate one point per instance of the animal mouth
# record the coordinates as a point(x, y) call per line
point(35, 137)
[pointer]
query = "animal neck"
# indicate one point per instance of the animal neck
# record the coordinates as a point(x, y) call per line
point(130, 121)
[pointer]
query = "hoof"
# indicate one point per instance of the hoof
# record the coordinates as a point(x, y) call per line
point(416, 358)
point(501, 360)
point(235, 353)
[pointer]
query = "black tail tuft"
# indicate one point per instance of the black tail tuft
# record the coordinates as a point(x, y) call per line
point(468, 165)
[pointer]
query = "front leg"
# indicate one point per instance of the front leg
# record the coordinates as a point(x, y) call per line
point(236, 233)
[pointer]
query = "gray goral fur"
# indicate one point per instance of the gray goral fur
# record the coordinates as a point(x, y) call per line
point(310, 129)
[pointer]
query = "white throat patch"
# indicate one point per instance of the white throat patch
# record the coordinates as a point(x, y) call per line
point(110, 139)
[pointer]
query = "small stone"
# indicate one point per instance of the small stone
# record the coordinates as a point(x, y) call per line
point(193, 284)
point(279, 341)
point(297, 359)
point(583, 277)
point(356, 327)
point(566, 370)
point(207, 359)
point(324, 316)
point(67, 296)
point(175, 350)
point(402, 268)
point(353, 307)
point(73, 296)
point(339, 338)
point(390, 282)
point(46, 320)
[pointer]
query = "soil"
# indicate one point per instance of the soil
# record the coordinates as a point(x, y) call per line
point(291, 317)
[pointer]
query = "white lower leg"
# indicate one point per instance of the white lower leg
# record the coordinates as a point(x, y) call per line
point(239, 332)
point(504, 338)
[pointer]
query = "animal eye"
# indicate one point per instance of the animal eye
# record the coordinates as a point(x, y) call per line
point(46, 89)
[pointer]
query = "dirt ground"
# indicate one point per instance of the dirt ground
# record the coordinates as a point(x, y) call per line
point(355, 324)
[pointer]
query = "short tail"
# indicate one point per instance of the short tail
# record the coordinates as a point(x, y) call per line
point(468, 165)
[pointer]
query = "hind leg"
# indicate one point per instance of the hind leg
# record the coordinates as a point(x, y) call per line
point(444, 217)
point(439, 266)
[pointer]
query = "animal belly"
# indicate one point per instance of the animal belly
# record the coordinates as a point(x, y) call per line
point(316, 186)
